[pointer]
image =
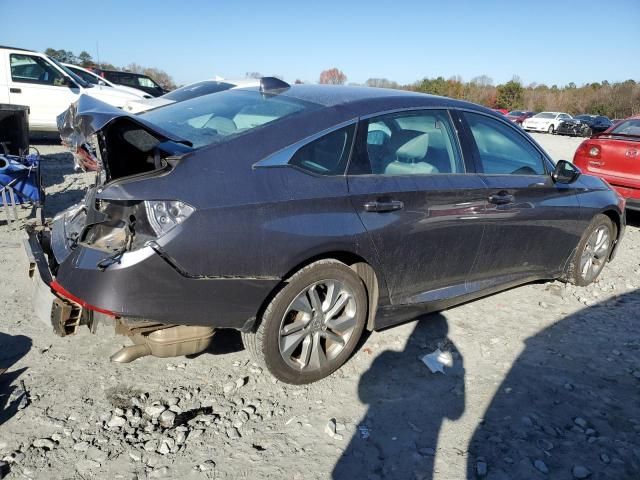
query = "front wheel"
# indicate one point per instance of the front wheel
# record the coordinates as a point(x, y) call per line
point(312, 325)
point(592, 252)
point(551, 129)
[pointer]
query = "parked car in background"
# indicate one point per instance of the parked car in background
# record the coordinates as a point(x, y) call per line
point(545, 121)
point(502, 111)
point(286, 222)
point(187, 92)
point(47, 87)
point(518, 116)
point(95, 79)
point(135, 80)
point(615, 156)
point(583, 125)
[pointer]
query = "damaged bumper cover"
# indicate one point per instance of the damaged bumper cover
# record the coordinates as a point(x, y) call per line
point(141, 285)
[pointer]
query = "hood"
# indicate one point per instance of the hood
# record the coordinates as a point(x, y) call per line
point(110, 94)
point(123, 144)
point(142, 105)
point(133, 91)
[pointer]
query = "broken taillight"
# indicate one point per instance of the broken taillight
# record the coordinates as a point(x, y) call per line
point(163, 215)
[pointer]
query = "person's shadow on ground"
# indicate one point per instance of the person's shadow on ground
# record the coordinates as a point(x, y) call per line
point(570, 401)
point(407, 404)
point(12, 349)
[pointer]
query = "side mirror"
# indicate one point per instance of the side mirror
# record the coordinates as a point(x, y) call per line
point(101, 82)
point(565, 172)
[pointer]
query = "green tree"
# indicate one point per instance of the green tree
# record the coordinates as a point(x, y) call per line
point(85, 59)
point(510, 95)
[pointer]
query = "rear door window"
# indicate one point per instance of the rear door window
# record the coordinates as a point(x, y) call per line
point(409, 143)
point(501, 149)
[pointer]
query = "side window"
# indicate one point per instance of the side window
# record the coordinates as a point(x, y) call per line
point(502, 149)
point(31, 69)
point(146, 82)
point(328, 155)
point(409, 143)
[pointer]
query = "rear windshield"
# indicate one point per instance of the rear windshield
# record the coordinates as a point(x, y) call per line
point(628, 127)
point(196, 90)
point(216, 118)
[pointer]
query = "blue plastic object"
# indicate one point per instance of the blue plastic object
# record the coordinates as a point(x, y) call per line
point(22, 174)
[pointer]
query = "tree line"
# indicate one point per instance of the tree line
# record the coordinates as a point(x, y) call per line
point(84, 59)
point(615, 100)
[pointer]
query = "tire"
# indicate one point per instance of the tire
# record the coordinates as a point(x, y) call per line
point(587, 132)
point(312, 349)
point(591, 249)
point(551, 130)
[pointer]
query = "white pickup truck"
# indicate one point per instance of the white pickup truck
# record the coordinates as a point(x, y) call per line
point(47, 87)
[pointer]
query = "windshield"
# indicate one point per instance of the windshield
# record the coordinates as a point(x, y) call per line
point(75, 77)
point(628, 127)
point(197, 90)
point(218, 117)
point(545, 115)
point(86, 76)
point(584, 117)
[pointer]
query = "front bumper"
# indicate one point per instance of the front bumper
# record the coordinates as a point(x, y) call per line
point(536, 128)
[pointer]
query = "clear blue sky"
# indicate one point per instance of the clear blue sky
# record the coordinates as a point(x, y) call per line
point(548, 42)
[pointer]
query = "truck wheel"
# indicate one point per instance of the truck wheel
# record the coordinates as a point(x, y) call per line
point(312, 325)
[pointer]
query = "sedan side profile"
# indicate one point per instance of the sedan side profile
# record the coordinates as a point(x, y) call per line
point(303, 215)
point(545, 121)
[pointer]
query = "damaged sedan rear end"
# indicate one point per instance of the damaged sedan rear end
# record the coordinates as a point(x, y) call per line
point(119, 257)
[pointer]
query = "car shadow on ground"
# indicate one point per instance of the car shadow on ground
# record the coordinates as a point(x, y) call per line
point(12, 348)
point(407, 405)
point(571, 400)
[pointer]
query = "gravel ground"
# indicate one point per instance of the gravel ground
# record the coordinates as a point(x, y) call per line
point(545, 383)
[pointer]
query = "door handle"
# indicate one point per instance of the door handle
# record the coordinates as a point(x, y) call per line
point(384, 206)
point(501, 198)
point(15, 90)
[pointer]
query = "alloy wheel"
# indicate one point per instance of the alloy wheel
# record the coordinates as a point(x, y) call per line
point(317, 325)
point(595, 253)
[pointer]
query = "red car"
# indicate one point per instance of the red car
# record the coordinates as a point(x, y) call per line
point(503, 111)
point(519, 116)
point(615, 156)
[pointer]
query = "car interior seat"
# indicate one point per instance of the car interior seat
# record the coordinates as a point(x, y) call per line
point(407, 152)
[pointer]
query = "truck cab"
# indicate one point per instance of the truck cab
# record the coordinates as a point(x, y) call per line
point(45, 86)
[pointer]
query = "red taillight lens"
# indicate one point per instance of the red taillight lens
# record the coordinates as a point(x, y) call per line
point(588, 150)
point(59, 289)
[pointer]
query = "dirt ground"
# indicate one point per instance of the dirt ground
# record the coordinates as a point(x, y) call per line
point(545, 383)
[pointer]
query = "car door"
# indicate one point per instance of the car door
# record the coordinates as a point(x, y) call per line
point(43, 88)
point(531, 224)
point(418, 201)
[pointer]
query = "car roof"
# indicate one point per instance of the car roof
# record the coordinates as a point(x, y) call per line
point(365, 100)
point(4, 47)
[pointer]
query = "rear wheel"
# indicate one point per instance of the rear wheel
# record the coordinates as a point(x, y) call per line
point(593, 251)
point(312, 325)
point(551, 129)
